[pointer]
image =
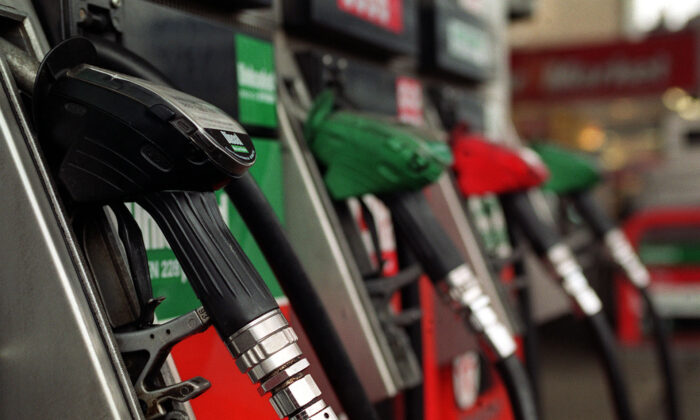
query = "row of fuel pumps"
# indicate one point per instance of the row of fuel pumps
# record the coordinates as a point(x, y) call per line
point(105, 154)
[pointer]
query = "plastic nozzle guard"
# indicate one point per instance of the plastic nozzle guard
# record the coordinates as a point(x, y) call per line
point(483, 167)
point(570, 171)
point(363, 154)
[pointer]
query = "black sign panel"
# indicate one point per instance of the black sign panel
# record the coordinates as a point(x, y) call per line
point(455, 42)
point(390, 25)
point(198, 55)
point(365, 86)
point(457, 105)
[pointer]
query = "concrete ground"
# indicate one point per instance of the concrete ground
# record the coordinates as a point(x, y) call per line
point(572, 385)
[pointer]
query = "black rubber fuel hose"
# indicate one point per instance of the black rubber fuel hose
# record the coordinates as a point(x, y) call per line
point(519, 389)
point(601, 224)
point(663, 351)
point(592, 213)
point(258, 215)
point(607, 349)
point(544, 238)
point(438, 255)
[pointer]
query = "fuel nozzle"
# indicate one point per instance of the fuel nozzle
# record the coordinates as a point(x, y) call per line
point(110, 137)
point(364, 154)
point(574, 177)
point(146, 137)
point(570, 172)
point(484, 167)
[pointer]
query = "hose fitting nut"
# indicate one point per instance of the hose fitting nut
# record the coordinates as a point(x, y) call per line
point(622, 252)
point(267, 351)
point(573, 280)
point(462, 289)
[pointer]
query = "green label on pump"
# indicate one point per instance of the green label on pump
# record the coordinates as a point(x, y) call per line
point(255, 70)
point(167, 277)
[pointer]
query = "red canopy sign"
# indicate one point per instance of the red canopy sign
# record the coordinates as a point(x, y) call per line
point(616, 69)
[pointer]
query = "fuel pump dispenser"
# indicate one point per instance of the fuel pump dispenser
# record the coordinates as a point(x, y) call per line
point(111, 138)
point(573, 177)
point(158, 63)
point(484, 167)
point(361, 154)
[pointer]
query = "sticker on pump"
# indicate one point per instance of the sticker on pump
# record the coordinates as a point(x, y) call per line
point(466, 374)
point(238, 143)
point(409, 98)
point(385, 231)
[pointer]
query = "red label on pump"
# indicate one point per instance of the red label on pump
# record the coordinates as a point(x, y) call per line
point(385, 13)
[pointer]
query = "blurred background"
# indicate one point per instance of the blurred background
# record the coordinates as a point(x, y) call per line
point(618, 80)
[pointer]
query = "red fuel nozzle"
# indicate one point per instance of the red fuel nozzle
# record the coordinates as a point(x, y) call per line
point(483, 167)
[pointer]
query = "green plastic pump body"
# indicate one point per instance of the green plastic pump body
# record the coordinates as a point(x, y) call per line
point(569, 171)
point(363, 154)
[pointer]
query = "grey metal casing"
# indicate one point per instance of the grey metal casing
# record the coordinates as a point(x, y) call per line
point(58, 358)
point(318, 238)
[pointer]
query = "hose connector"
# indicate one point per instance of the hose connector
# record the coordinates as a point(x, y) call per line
point(267, 351)
point(623, 254)
point(573, 280)
point(462, 289)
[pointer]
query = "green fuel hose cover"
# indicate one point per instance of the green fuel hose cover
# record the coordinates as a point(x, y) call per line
point(569, 171)
point(363, 154)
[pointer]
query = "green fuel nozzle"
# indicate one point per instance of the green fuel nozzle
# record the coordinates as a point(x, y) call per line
point(569, 171)
point(574, 176)
point(364, 154)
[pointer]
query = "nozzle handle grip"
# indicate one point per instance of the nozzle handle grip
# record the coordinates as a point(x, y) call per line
point(518, 207)
point(417, 225)
point(594, 215)
point(222, 276)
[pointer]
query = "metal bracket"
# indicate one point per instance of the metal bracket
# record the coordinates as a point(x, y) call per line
point(154, 344)
point(381, 291)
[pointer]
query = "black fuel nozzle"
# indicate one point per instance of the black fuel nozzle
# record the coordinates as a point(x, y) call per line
point(111, 138)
